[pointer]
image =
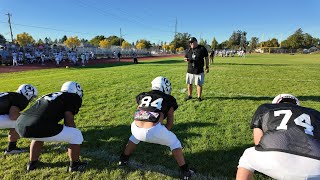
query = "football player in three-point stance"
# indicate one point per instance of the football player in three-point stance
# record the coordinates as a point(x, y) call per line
point(40, 124)
point(287, 141)
point(153, 108)
point(11, 103)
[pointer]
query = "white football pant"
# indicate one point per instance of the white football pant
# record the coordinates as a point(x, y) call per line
point(157, 134)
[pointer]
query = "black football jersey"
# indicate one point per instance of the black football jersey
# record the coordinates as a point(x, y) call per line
point(41, 119)
point(8, 99)
point(150, 104)
point(288, 128)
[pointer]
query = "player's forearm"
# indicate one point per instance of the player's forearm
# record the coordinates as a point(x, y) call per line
point(207, 62)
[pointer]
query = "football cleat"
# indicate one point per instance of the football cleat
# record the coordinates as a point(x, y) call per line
point(123, 163)
point(14, 151)
point(80, 166)
point(32, 165)
point(188, 174)
point(188, 98)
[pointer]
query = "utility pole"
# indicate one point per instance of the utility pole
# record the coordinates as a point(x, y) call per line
point(175, 36)
point(10, 26)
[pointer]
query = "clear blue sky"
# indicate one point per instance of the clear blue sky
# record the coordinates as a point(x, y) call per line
point(155, 20)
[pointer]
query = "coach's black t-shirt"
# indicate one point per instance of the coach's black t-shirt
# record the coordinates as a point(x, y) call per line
point(41, 119)
point(288, 128)
point(196, 57)
point(8, 99)
point(153, 102)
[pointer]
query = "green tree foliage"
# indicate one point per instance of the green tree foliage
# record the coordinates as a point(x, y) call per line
point(299, 40)
point(39, 42)
point(253, 43)
point(115, 40)
point(96, 40)
point(47, 40)
point(63, 39)
point(237, 40)
point(182, 40)
point(2, 39)
point(270, 43)
point(243, 40)
point(223, 45)
point(214, 43)
point(84, 41)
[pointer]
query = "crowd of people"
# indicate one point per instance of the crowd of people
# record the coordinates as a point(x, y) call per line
point(18, 56)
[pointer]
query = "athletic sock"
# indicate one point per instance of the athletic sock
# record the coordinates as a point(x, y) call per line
point(12, 146)
point(184, 168)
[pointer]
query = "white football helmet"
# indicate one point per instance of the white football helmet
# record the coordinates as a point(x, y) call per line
point(162, 84)
point(28, 91)
point(72, 87)
point(286, 98)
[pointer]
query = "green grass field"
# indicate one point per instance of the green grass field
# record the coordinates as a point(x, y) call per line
point(214, 132)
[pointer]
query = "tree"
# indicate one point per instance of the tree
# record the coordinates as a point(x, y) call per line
point(64, 38)
point(105, 43)
point(182, 40)
point(146, 43)
point(72, 42)
point(295, 41)
point(253, 43)
point(96, 40)
point(180, 49)
point(84, 41)
point(234, 40)
point(165, 47)
point(47, 40)
point(243, 40)
point(24, 39)
point(214, 43)
point(2, 39)
point(223, 45)
point(140, 45)
point(270, 43)
point(171, 47)
point(125, 45)
point(309, 41)
point(40, 42)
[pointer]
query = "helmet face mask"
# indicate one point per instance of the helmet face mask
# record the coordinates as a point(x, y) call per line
point(286, 98)
point(72, 87)
point(162, 84)
point(28, 91)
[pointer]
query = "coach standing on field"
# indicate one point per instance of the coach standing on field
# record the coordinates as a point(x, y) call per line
point(195, 56)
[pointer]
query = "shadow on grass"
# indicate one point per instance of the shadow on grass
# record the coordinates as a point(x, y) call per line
point(241, 64)
point(253, 98)
point(105, 65)
point(162, 62)
point(217, 163)
point(104, 144)
point(268, 99)
point(115, 64)
point(309, 98)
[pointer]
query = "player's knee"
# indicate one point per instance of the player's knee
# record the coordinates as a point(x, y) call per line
point(77, 137)
point(175, 145)
point(134, 140)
